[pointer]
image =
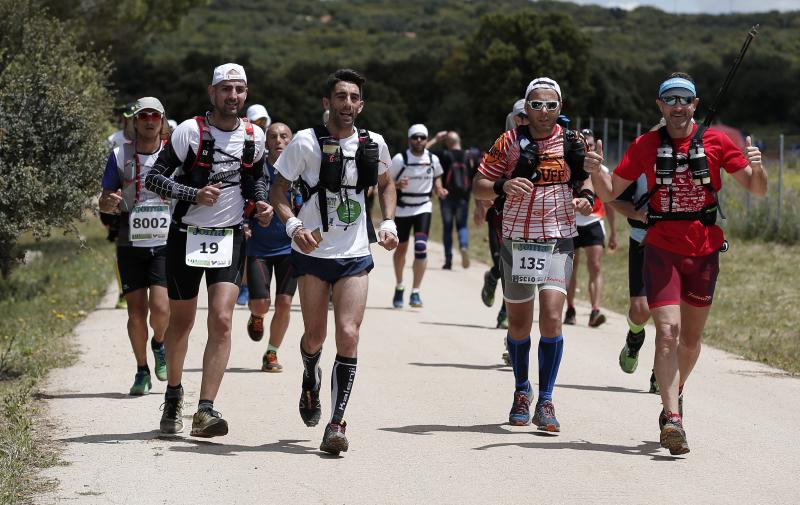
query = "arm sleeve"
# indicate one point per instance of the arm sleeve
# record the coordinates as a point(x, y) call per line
point(158, 178)
point(254, 184)
point(111, 180)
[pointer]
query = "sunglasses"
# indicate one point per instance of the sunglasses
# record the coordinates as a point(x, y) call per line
point(672, 100)
point(148, 116)
point(586, 132)
point(419, 137)
point(541, 105)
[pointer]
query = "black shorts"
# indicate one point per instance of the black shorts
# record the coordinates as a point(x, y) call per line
point(183, 281)
point(589, 235)
point(330, 270)
point(259, 275)
point(420, 222)
point(636, 268)
point(141, 267)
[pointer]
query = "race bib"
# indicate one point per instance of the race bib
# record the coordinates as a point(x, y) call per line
point(209, 247)
point(149, 221)
point(530, 262)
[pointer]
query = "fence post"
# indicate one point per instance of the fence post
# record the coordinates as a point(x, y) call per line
point(591, 123)
point(605, 131)
point(638, 129)
point(578, 124)
point(780, 181)
point(619, 141)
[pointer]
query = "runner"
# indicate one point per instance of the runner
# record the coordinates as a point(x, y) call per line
point(591, 238)
point(539, 168)
point(682, 162)
point(211, 164)
point(268, 252)
point(142, 237)
point(330, 246)
point(416, 174)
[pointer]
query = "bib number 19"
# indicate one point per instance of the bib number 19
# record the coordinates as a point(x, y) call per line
point(209, 248)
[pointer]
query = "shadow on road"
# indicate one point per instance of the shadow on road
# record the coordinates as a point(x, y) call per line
point(465, 366)
point(607, 389)
point(227, 370)
point(430, 429)
point(650, 449)
point(459, 325)
point(66, 396)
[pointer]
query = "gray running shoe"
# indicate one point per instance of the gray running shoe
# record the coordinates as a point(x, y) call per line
point(544, 417)
point(662, 418)
point(208, 423)
point(334, 440)
point(172, 414)
point(673, 437)
point(310, 407)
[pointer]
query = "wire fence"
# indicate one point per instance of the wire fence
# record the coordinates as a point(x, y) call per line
point(774, 217)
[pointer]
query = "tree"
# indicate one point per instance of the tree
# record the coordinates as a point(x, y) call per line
point(53, 107)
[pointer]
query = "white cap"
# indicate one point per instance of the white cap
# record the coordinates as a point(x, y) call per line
point(519, 107)
point(228, 72)
point(543, 83)
point(258, 111)
point(147, 102)
point(172, 123)
point(417, 129)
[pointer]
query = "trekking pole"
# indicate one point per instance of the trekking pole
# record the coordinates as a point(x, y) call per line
point(712, 111)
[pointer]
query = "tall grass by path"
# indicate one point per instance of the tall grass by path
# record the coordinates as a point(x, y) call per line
point(754, 313)
point(41, 302)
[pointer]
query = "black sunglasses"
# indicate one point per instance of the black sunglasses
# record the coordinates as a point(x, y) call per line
point(672, 100)
point(418, 137)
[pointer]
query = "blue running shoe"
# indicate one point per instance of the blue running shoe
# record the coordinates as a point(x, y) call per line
point(415, 301)
point(398, 298)
point(244, 295)
point(544, 417)
point(520, 414)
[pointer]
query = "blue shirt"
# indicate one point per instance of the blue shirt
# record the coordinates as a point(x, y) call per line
point(111, 180)
point(271, 240)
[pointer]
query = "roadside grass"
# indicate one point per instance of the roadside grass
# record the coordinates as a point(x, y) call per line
point(41, 302)
point(755, 304)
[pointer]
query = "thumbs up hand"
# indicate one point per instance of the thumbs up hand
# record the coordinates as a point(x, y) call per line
point(752, 153)
point(594, 158)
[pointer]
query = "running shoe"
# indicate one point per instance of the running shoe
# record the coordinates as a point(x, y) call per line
point(544, 416)
point(464, 257)
point(673, 436)
point(141, 384)
point(414, 300)
point(628, 358)
point(596, 318)
point(502, 320)
point(244, 295)
point(255, 327)
point(160, 354)
point(122, 303)
point(520, 414)
point(269, 363)
point(654, 384)
point(172, 414)
point(207, 423)
point(397, 301)
point(448, 264)
point(662, 417)
point(506, 357)
point(489, 288)
point(334, 440)
point(569, 318)
point(310, 408)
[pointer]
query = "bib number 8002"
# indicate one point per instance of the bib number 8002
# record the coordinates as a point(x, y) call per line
point(149, 222)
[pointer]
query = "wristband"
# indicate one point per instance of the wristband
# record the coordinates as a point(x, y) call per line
point(498, 187)
point(292, 225)
point(389, 226)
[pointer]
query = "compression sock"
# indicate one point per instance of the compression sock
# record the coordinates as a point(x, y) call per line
point(550, 351)
point(635, 340)
point(311, 376)
point(272, 348)
point(143, 368)
point(635, 328)
point(156, 345)
point(519, 352)
point(205, 405)
point(174, 391)
point(342, 377)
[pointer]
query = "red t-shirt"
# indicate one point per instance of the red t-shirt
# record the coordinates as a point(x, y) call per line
point(691, 238)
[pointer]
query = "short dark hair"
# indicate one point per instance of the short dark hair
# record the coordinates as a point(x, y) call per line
point(682, 75)
point(344, 75)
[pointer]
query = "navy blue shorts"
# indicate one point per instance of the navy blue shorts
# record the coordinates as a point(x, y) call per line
point(330, 270)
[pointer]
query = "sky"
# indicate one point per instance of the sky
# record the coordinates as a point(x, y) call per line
point(701, 6)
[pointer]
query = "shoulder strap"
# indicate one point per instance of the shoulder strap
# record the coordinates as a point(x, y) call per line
point(404, 154)
point(205, 146)
point(321, 132)
point(249, 150)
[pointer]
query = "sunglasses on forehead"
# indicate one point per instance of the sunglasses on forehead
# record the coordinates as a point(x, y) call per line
point(148, 116)
point(543, 104)
point(672, 100)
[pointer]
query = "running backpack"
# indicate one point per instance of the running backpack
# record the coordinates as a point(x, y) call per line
point(458, 180)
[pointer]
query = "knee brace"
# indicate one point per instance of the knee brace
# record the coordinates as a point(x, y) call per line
point(420, 246)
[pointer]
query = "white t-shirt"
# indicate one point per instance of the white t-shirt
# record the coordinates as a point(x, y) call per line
point(420, 171)
point(116, 139)
point(228, 147)
point(347, 230)
point(581, 220)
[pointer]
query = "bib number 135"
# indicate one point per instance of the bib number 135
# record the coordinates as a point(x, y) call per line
point(531, 262)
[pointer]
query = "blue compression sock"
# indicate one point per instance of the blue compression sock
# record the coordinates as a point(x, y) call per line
point(519, 352)
point(550, 351)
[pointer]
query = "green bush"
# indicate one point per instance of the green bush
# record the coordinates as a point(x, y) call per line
point(54, 108)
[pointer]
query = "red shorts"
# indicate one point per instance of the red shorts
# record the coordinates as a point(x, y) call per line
point(670, 277)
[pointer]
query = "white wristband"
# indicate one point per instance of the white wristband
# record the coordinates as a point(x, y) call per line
point(388, 226)
point(292, 225)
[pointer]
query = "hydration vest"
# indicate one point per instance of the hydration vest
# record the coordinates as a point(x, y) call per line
point(528, 163)
point(401, 194)
point(130, 175)
point(666, 166)
point(197, 174)
point(331, 172)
